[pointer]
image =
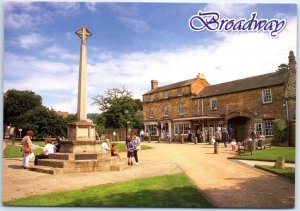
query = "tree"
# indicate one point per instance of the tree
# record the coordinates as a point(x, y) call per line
point(42, 121)
point(19, 102)
point(113, 105)
point(280, 132)
point(282, 68)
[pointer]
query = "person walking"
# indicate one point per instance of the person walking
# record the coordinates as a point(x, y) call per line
point(225, 136)
point(27, 148)
point(136, 148)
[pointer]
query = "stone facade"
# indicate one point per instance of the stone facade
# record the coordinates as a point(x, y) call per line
point(200, 108)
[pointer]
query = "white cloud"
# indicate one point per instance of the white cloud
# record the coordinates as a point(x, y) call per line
point(56, 51)
point(91, 6)
point(17, 21)
point(229, 9)
point(64, 8)
point(135, 25)
point(30, 40)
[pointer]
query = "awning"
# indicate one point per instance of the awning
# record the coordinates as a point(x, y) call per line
point(197, 118)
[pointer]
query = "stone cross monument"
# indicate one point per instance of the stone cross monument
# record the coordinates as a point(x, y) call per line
point(81, 134)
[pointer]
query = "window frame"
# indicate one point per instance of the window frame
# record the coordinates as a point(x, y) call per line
point(166, 111)
point(184, 127)
point(266, 93)
point(213, 100)
point(151, 113)
point(180, 109)
point(268, 127)
point(180, 91)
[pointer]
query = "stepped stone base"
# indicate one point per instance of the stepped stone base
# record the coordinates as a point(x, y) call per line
point(59, 163)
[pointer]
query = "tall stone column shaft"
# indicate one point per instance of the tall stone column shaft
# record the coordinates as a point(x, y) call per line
point(82, 92)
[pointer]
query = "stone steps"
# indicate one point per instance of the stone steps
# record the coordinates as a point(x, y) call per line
point(46, 169)
point(57, 166)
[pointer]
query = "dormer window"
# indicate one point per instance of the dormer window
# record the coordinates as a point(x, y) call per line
point(213, 104)
point(266, 96)
point(166, 111)
point(151, 97)
point(166, 95)
point(180, 92)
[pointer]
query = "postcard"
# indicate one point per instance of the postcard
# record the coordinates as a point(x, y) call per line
point(139, 104)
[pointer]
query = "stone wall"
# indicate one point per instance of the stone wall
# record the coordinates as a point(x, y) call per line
point(247, 103)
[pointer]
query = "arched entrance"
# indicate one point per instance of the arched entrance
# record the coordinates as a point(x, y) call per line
point(238, 127)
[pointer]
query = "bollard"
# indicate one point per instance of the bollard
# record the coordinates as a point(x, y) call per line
point(158, 139)
point(216, 147)
point(182, 140)
point(196, 140)
point(170, 140)
point(149, 139)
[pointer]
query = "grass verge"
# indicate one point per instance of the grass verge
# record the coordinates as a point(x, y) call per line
point(288, 172)
point(270, 154)
point(168, 191)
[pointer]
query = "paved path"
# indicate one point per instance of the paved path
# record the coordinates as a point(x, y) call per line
point(224, 182)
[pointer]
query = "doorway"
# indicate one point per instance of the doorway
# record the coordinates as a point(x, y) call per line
point(238, 127)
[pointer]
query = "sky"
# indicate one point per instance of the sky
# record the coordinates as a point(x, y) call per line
point(132, 44)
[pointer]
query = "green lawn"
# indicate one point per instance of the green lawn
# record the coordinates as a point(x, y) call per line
point(164, 191)
point(15, 151)
point(288, 171)
point(270, 154)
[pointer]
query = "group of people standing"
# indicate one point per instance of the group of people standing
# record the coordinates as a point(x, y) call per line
point(133, 145)
point(222, 136)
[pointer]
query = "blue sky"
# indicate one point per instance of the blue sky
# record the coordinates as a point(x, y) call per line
point(133, 43)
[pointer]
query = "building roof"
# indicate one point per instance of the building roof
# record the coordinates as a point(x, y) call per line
point(269, 79)
point(171, 86)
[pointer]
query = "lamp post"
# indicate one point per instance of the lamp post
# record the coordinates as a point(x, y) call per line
point(126, 113)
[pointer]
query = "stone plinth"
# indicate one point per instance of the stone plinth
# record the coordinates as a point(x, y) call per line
point(80, 147)
point(81, 130)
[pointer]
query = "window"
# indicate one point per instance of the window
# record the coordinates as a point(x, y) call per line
point(151, 97)
point(151, 113)
point(266, 96)
point(181, 128)
point(269, 128)
point(166, 95)
point(179, 90)
point(152, 129)
point(258, 128)
point(180, 109)
point(213, 104)
point(166, 111)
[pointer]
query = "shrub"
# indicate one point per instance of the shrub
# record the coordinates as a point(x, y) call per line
point(280, 132)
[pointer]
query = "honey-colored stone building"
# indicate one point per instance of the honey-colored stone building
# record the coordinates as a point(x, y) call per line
point(196, 106)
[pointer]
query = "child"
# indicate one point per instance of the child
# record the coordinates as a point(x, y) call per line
point(129, 149)
point(113, 150)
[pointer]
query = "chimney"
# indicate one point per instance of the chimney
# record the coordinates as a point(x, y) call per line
point(154, 84)
point(200, 76)
point(292, 60)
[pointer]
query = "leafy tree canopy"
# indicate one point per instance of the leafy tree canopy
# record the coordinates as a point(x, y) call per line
point(282, 68)
point(113, 106)
point(19, 102)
